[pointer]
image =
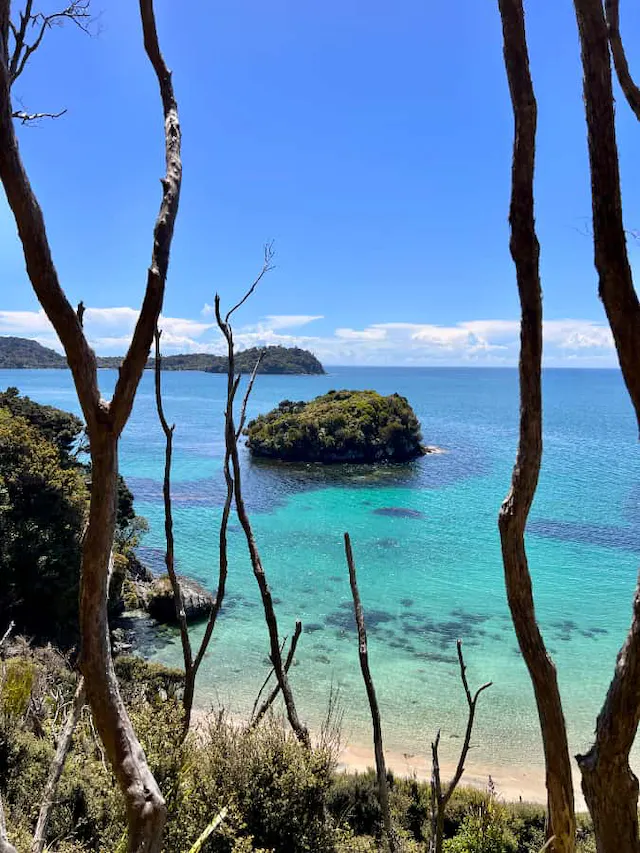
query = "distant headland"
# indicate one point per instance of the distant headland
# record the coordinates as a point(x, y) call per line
point(26, 354)
point(341, 426)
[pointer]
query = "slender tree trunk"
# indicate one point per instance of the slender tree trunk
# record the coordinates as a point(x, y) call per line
point(146, 810)
point(515, 509)
point(609, 239)
point(609, 785)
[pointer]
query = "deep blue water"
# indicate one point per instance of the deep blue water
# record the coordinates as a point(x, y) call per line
point(426, 545)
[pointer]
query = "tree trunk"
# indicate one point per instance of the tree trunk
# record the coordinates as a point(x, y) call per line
point(146, 810)
point(611, 793)
point(525, 251)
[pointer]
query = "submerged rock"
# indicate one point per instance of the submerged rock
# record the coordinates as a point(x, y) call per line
point(160, 604)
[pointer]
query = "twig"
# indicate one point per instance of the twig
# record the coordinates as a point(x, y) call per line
point(264, 684)
point(57, 765)
point(381, 770)
point(7, 634)
point(267, 266)
point(30, 118)
point(243, 410)
point(271, 698)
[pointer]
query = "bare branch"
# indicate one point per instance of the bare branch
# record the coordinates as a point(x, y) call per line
point(381, 769)
point(514, 512)
point(168, 529)
point(7, 634)
point(631, 91)
point(32, 118)
point(267, 266)
point(299, 729)
point(56, 768)
point(243, 410)
point(256, 716)
point(264, 684)
point(138, 353)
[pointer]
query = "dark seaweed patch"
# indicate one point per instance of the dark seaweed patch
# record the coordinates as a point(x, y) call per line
point(603, 535)
point(407, 602)
point(398, 512)
point(312, 627)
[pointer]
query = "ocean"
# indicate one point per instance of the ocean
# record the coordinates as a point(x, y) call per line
point(426, 545)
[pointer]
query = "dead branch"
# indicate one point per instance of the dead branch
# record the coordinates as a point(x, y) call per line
point(78, 13)
point(515, 509)
point(299, 729)
point(615, 279)
point(267, 266)
point(256, 716)
point(381, 770)
point(32, 118)
point(56, 768)
point(631, 91)
point(264, 684)
point(243, 410)
point(7, 634)
point(168, 529)
point(440, 798)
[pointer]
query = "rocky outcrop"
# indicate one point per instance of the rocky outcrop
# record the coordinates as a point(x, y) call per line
point(160, 604)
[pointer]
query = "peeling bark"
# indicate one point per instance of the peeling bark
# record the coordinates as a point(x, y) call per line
point(515, 509)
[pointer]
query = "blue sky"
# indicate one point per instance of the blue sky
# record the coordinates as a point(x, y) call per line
point(371, 142)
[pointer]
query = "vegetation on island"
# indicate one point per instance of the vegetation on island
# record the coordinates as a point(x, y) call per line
point(21, 353)
point(340, 426)
point(25, 354)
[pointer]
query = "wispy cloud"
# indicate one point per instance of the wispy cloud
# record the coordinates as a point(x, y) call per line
point(470, 342)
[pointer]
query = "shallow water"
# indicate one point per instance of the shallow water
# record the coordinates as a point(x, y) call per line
point(425, 541)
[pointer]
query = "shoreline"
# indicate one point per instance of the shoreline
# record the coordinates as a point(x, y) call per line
point(513, 783)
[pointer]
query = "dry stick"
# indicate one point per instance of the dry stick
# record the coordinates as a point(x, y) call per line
point(168, 529)
point(609, 785)
point(299, 729)
point(439, 799)
point(256, 716)
point(515, 509)
point(381, 770)
point(264, 684)
point(7, 634)
point(631, 91)
point(56, 768)
point(191, 665)
point(146, 810)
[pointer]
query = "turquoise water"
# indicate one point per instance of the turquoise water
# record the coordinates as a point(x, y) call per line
point(425, 541)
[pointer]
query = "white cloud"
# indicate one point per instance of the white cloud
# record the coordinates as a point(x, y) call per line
point(471, 342)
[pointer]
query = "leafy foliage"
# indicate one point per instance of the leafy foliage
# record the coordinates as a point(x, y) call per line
point(42, 508)
point(341, 426)
point(60, 428)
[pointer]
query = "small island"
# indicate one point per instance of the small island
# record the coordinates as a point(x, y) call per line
point(341, 426)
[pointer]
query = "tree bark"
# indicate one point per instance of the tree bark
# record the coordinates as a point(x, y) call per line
point(363, 653)
point(609, 785)
point(615, 280)
point(631, 91)
point(146, 809)
point(515, 509)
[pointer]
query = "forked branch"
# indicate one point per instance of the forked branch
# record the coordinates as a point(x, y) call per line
point(440, 798)
point(363, 652)
point(231, 443)
point(259, 712)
